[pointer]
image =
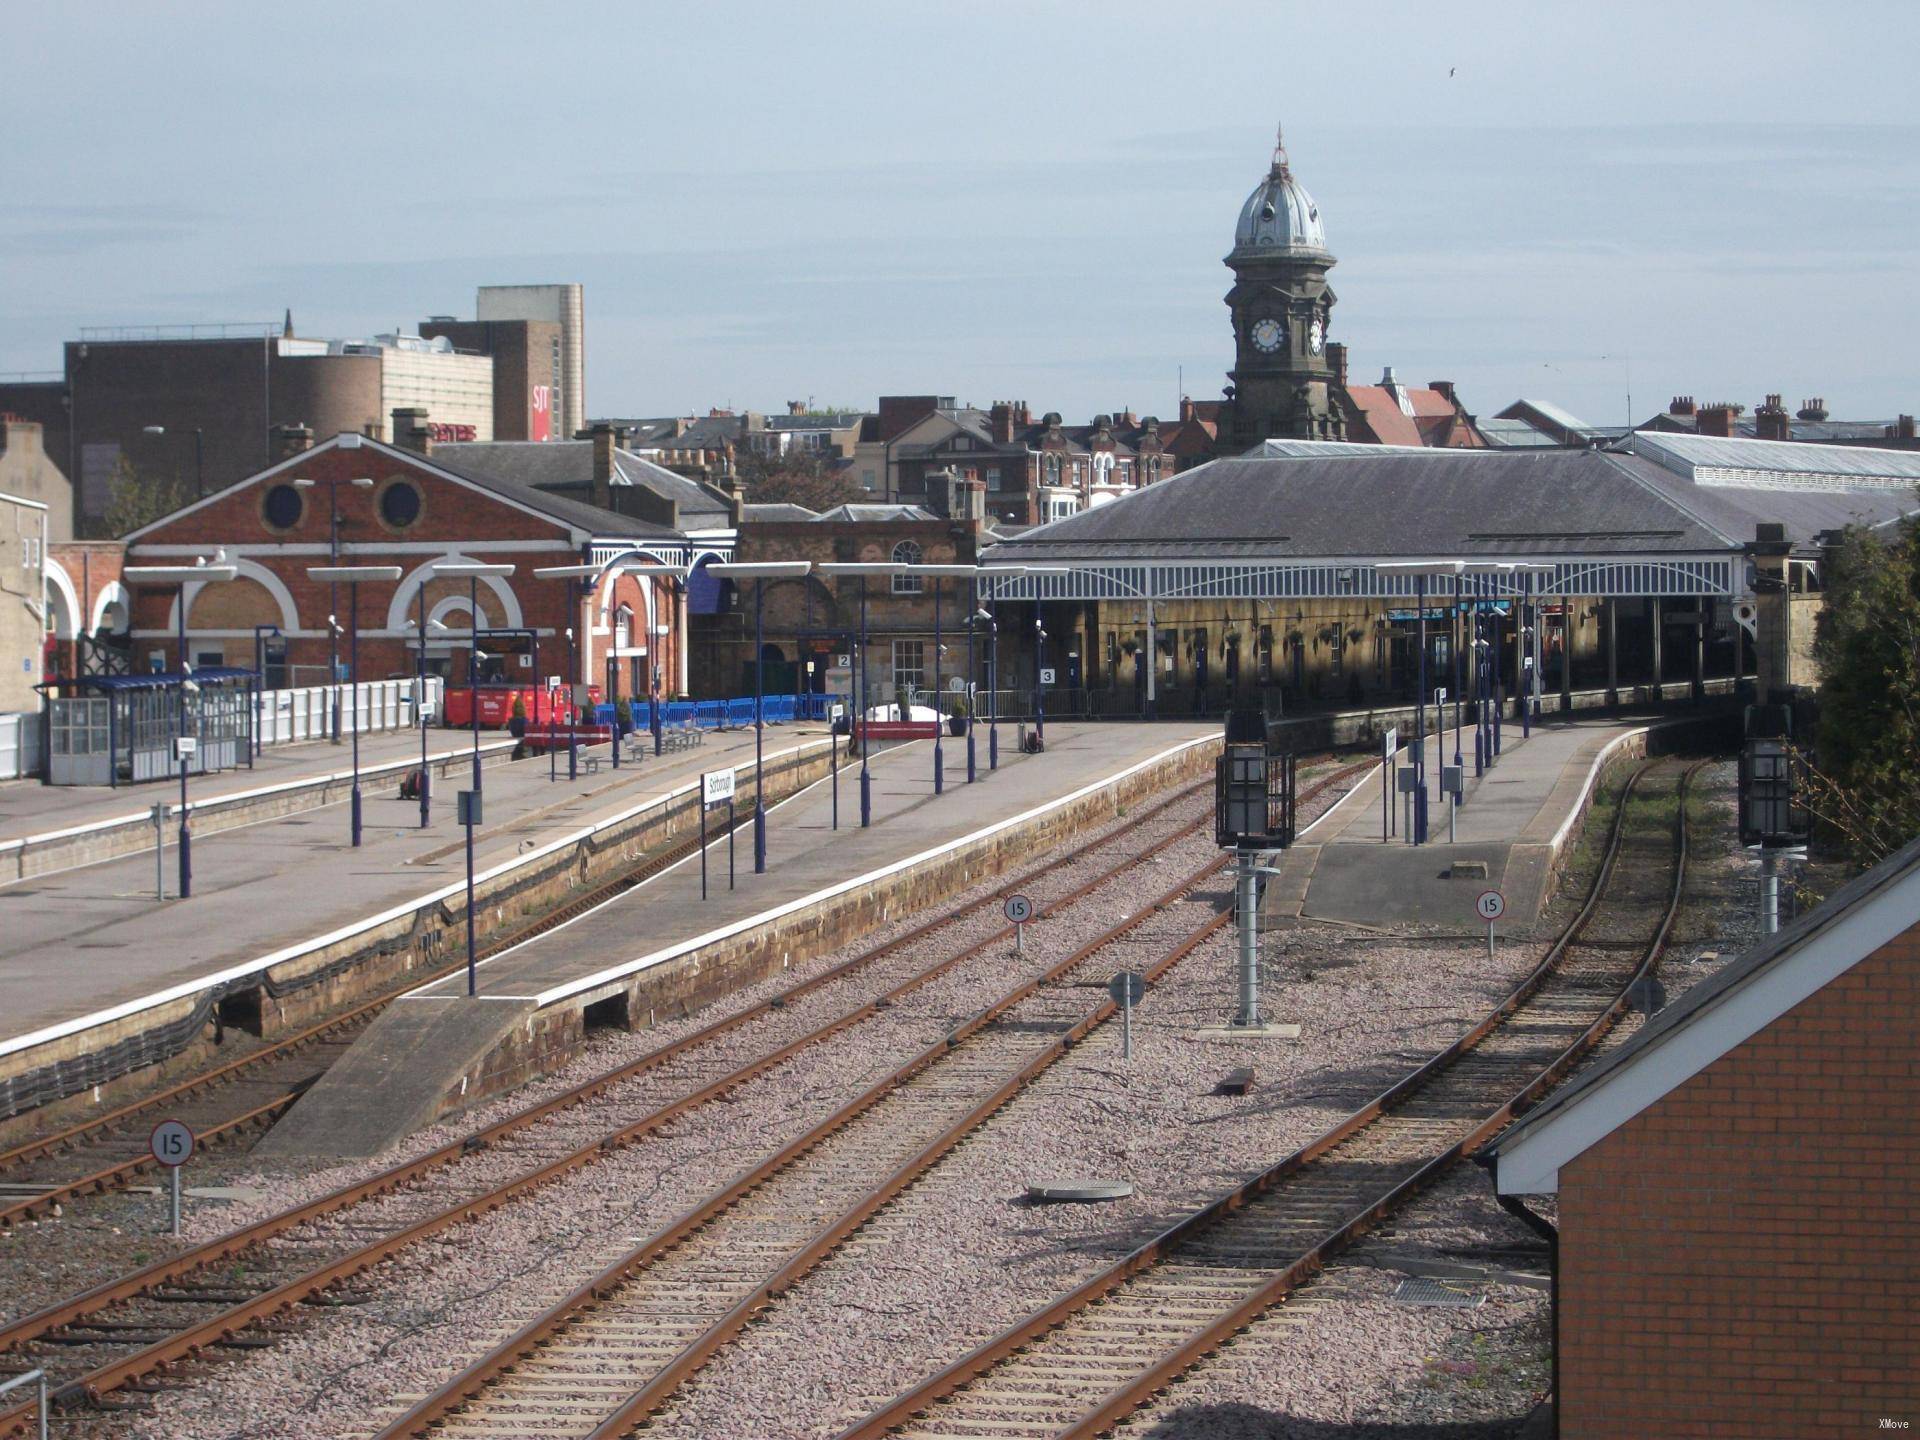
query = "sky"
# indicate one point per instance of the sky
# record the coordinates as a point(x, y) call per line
point(1598, 205)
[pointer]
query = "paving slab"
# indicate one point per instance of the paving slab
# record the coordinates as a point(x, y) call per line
point(82, 941)
point(1509, 832)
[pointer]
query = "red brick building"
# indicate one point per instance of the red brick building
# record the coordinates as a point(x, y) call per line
point(1739, 1192)
point(398, 505)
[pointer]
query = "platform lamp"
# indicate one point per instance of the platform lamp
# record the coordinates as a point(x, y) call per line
point(937, 573)
point(353, 575)
point(760, 571)
point(1422, 571)
point(200, 573)
point(332, 483)
point(863, 689)
point(420, 702)
point(472, 571)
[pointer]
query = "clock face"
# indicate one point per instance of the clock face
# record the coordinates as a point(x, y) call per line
point(1316, 335)
point(1268, 335)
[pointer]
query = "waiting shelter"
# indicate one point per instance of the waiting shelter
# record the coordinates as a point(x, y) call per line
point(119, 729)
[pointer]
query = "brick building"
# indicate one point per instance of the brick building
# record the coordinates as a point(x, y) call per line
point(399, 504)
point(1739, 1192)
point(815, 617)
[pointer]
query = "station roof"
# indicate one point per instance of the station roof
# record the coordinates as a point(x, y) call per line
point(1391, 502)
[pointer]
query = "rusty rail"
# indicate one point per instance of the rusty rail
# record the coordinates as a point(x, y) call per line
point(187, 1342)
point(1130, 1396)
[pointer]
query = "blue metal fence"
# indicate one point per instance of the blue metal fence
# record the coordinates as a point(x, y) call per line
point(723, 714)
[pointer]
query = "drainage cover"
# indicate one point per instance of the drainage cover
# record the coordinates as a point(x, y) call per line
point(1422, 1291)
point(1081, 1190)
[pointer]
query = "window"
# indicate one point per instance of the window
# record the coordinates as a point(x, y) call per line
point(623, 628)
point(906, 553)
point(909, 669)
point(993, 477)
point(400, 504)
point(866, 479)
point(282, 506)
point(1053, 469)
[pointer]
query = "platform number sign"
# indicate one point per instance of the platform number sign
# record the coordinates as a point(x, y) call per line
point(1018, 910)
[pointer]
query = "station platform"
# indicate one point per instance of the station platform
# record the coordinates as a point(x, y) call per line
point(644, 947)
point(87, 945)
point(1510, 831)
point(46, 828)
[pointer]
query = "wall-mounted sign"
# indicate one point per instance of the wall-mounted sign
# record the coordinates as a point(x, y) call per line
point(542, 427)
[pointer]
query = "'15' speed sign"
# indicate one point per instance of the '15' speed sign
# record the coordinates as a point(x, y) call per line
point(1491, 905)
point(1018, 909)
point(171, 1143)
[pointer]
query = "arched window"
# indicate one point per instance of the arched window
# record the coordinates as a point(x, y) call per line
point(623, 628)
point(906, 553)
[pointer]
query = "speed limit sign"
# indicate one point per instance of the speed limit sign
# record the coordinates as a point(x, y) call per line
point(171, 1143)
point(1491, 905)
point(1018, 909)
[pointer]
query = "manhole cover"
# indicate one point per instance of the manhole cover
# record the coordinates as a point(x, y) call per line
point(1421, 1291)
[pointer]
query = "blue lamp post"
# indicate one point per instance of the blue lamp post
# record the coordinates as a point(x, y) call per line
point(760, 572)
point(353, 575)
point(937, 573)
point(261, 633)
point(181, 576)
point(472, 571)
point(332, 482)
point(861, 570)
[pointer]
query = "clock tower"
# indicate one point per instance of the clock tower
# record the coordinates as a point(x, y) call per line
point(1281, 307)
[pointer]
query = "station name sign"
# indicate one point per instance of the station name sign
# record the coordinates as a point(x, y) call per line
point(451, 434)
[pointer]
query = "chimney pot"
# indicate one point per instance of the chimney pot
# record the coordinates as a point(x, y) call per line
point(290, 440)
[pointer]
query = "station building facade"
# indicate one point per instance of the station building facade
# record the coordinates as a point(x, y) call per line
point(374, 503)
point(1662, 563)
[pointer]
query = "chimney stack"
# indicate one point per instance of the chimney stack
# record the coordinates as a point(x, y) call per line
point(290, 440)
point(1000, 421)
point(1682, 405)
point(1770, 420)
point(1444, 388)
point(606, 437)
point(1901, 429)
point(1716, 419)
point(410, 430)
point(1337, 362)
point(1814, 409)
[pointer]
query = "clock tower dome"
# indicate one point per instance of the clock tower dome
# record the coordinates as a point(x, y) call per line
point(1281, 306)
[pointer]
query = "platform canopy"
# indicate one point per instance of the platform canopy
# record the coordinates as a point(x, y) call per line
point(1632, 520)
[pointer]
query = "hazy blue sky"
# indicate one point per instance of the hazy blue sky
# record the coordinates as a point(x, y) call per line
point(773, 202)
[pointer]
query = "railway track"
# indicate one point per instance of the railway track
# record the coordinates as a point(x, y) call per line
point(243, 1096)
point(230, 1292)
point(610, 1352)
point(1083, 1364)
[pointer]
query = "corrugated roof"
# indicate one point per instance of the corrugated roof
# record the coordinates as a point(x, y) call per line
point(1686, 454)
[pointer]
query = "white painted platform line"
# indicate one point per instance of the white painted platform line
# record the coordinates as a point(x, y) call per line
point(1593, 776)
point(615, 973)
point(279, 957)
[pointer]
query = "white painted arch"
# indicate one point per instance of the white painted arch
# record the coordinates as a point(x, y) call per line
point(63, 601)
point(406, 597)
point(112, 594)
point(251, 570)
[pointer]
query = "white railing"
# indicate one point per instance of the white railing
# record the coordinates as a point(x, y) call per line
point(20, 745)
point(307, 713)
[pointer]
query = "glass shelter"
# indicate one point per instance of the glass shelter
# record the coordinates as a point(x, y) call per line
point(120, 729)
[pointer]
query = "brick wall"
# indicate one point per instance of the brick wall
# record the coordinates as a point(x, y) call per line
point(1743, 1258)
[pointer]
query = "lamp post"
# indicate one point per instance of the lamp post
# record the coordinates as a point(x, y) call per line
point(973, 685)
point(333, 593)
point(1422, 571)
point(471, 571)
point(260, 634)
point(936, 573)
point(861, 569)
point(594, 574)
point(760, 572)
point(421, 626)
point(353, 575)
point(199, 457)
point(181, 576)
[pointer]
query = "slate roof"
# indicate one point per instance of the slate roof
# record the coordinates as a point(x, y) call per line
point(576, 513)
point(1436, 503)
point(547, 464)
point(779, 511)
point(869, 514)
